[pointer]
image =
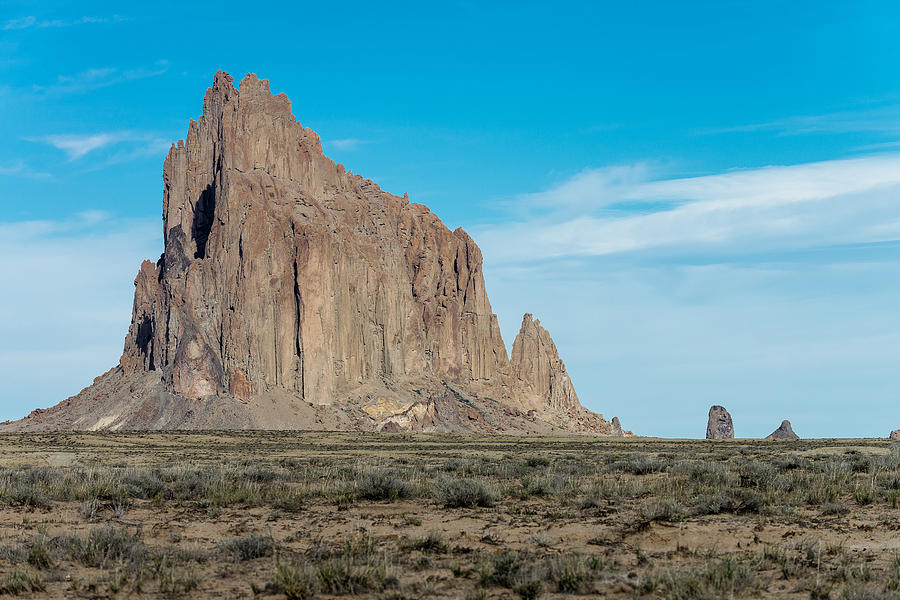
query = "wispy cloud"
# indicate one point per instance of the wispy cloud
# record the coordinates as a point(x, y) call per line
point(880, 119)
point(892, 145)
point(628, 209)
point(21, 169)
point(33, 22)
point(77, 146)
point(769, 290)
point(96, 78)
point(346, 143)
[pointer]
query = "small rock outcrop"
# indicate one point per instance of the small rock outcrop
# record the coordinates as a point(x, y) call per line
point(784, 432)
point(293, 294)
point(617, 428)
point(719, 425)
point(895, 434)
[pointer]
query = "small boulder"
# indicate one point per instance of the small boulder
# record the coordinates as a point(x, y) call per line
point(719, 426)
point(895, 434)
point(784, 432)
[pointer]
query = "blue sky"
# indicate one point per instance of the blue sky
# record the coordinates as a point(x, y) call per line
point(700, 200)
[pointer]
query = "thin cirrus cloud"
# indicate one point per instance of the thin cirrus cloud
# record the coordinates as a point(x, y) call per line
point(346, 143)
point(21, 169)
point(880, 119)
point(630, 209)
point(77, 146)
point(96, 78)
point(31, 21)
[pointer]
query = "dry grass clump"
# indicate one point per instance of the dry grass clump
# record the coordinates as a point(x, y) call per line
point(106, 546)
point(724, 578)
point(529, 576)
point(382, 484)
point(353, 566)
point(21, 581)
point(464, 493)
point(248, 547)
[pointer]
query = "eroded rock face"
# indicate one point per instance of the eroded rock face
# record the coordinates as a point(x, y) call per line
point(719, 425)
point(535, 362)
point(895, 434)
point(784, 432)
point(617, 427)
point(285, 276)
point(283, 271)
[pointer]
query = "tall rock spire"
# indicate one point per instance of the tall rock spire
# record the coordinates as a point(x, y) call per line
point(535, 362)
point(288, 282)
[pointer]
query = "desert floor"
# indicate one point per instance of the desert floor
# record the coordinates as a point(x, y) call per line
point(311, 515)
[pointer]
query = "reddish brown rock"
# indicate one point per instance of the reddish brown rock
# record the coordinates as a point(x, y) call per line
point(293, 294)
point(536, 364)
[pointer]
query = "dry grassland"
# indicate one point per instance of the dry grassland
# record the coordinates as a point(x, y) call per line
point(322, 515)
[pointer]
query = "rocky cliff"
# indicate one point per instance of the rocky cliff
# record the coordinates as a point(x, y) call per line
point(294, 294)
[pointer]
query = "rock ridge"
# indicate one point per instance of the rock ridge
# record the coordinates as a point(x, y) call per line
point(292, 293)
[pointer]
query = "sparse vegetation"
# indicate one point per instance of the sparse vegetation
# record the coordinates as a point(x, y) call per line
point(248, 547)
point(382, 484)
point(464, 493)
point(306, 515)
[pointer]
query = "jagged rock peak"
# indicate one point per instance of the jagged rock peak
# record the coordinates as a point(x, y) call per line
point(719, 425)
point(293, 294)
point(535, 361)
point(784, 432)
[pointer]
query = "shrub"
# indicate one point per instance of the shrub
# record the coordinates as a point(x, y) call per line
point(39, 553)
point(639, 465)
point(502, 569)
point(28, 496)
point(382, 484)
point(289, 501)
point(464, 493)
point(529, 590)
point(662, 510)
point(295, 582)
point(340, 576)
point(248, 547)
point(537, 461)
point(107, 545)
point(431, 543)
point(20, 582)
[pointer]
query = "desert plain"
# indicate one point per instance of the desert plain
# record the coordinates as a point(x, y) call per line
point(364, 515)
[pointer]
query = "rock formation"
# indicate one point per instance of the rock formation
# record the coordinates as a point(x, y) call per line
point(617, 427)
point(719, 425)
point(784, 432)
point(294, 294)
point(535, 362)
point(895, 434)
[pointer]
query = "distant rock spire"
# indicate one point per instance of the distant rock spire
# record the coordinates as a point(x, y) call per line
point(719, 425)
point(784, 432)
